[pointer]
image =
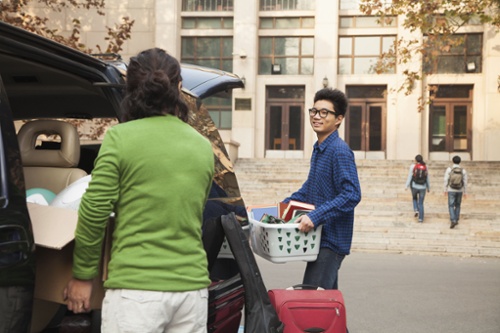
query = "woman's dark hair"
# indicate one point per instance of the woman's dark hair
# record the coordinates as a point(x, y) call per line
point(419, 159)
point(337, 97)
point(153, 78)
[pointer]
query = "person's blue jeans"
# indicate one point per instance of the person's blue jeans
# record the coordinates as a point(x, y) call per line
point(324, 271)
point(418, 202)
point(454, 202)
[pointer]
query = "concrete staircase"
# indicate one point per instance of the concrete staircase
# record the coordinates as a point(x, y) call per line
point(385, 220)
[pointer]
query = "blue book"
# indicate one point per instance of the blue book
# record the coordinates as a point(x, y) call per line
point(258, 212)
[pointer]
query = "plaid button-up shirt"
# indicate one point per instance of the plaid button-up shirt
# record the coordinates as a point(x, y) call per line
point(333, 187)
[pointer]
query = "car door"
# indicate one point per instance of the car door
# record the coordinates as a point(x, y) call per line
point(16, 236)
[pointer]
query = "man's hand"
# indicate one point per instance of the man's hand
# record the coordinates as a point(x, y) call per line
point(305, 223)
point(77, 294)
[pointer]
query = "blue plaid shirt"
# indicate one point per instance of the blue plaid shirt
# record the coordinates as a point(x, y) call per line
point(333, 187)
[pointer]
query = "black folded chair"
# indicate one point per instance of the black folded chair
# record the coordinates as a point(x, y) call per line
point(260, 315)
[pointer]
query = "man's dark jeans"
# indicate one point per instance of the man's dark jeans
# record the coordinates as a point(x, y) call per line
point(454, 202)
point(324, 271)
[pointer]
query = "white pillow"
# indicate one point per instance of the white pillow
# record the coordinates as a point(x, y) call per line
point(71, 196)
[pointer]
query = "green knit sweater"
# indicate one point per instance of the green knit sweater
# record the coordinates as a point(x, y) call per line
point(155, 174)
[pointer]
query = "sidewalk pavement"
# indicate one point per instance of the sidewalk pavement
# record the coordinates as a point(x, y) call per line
point(395, 293)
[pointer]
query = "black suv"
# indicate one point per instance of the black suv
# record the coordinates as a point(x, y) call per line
point(42, 80)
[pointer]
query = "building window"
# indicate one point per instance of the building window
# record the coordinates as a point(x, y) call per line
point(287, 5)
point(354, 4)
point(207, 5)
point(214, 52)
point(294, 55)
point(287, 23)
point(207, 23)
point(220, 110)
point(368, 22)
point(360, 54)
point(460, 54)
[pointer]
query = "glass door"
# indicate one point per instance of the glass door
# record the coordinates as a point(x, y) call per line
point(284, 124)
point(450, 127)
point(365, 126)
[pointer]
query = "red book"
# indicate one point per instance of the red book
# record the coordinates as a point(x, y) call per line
point(293, 205)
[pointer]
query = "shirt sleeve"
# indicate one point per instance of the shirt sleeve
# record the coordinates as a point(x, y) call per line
point(95, 208)
point(428, 181)
point(465, 181)
point(410, 175)
point(347, 188)
point(446, 178)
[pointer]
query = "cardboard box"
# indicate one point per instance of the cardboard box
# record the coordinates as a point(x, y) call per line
point(54, 232)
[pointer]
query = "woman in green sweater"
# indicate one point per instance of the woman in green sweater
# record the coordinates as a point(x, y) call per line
point(154, 172)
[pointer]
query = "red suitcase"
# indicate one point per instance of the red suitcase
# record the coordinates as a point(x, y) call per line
point(225, 304)
point(312, 311)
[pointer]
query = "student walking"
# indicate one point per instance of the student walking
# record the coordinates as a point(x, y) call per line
point(455, 185)
point(418, 180)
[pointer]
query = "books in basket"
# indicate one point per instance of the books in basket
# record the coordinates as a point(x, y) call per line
point(292, 206)
point(258, 211)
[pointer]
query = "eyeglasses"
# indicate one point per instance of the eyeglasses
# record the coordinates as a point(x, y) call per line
point(322, 112)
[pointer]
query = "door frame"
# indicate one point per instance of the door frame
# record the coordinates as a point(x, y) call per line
point(452, 95)
point(450, 104)
point(365, 104)
point(284, 96)
point(285, 142)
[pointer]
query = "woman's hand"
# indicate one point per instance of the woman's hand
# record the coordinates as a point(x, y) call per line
point(77, 294)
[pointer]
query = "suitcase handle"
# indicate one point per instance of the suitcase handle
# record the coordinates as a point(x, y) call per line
point(314, 330)
point(304, 287)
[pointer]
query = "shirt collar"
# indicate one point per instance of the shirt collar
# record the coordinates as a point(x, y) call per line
point(329, 139)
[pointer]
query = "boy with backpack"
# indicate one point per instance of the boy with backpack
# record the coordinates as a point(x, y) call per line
point(455, 184)
point(419, 181)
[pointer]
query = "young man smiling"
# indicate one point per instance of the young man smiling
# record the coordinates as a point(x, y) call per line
point(332, 186)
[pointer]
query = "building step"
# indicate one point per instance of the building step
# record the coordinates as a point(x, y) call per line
point(384, 220)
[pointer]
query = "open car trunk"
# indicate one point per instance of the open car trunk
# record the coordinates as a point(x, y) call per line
point(41, 79)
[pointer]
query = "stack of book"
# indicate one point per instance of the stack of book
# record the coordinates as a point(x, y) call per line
point(285, 212)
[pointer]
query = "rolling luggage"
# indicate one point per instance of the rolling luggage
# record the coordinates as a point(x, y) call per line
point(307, 309)
point(226, 300)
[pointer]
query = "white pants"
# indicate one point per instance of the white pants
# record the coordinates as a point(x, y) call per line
point(134, 311)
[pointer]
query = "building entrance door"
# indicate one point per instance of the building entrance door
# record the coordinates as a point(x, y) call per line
point(449, 127)
point(366, 119)
point(365, 129)
point(284, 127)
point(450, 119)
point(284, 118)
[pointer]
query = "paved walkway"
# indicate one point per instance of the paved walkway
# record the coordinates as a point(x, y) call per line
point(396, 293)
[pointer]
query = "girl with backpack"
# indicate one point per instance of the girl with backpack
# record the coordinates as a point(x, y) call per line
point(419, 181)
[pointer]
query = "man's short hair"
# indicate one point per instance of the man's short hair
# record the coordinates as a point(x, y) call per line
point(337, 97)
point(456, 159)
